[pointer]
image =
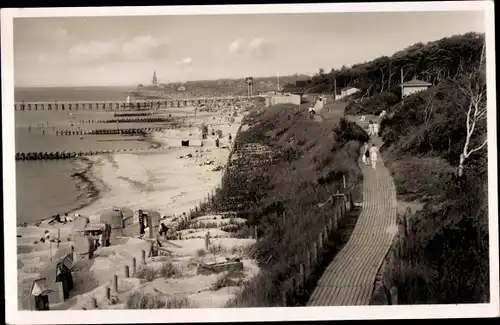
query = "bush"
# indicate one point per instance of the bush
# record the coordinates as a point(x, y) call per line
point(232, 278)
point(375, 104)
point(275, 187)
point(140, 300)
point(146, 273)
point(168, 269)
point(445, 258)
point(179, 302)
point(201, 252)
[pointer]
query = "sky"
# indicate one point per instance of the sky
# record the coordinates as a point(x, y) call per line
point(125, 50)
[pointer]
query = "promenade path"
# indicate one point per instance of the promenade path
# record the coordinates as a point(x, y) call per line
point(349, 279)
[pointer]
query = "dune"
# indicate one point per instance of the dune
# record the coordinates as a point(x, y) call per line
point(159, 180)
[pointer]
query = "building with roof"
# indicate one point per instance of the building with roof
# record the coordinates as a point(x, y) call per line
point(414, 86)
point(348, 91)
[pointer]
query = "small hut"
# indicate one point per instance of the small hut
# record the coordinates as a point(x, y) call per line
point(151, 220)
point(96, 229)
point(40, 291)
point(112, 217)
point(63, 274)
point(80, 224)
point(117, 218)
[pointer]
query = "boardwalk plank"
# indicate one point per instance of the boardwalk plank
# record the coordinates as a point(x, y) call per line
point(349, 278)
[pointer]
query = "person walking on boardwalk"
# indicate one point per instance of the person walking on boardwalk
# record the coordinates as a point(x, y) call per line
point(365, 153)
point(370, 129)
point(375, 128)
point(373, 156)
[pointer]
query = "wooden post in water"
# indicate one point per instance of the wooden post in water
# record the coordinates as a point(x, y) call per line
point(134, 266)
point(143, 256)
point(108, 293)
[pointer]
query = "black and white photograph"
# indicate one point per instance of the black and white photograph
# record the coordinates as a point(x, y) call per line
point(189, 163)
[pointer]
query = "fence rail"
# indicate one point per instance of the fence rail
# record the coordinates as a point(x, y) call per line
point(306, 264)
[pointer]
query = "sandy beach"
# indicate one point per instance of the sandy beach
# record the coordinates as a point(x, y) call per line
point(171, 180)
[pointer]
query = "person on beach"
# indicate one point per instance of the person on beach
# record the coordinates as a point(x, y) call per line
point(163, 231)
point(56, 218)
point(374, 156)
point(47, 236)
point(366, 153)
point(142, 227)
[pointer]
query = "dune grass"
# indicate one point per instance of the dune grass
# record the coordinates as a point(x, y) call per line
point(297, 163)
point(139, 300)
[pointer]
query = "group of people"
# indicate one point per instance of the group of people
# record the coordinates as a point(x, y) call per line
point(373, 128)
point(61, 219)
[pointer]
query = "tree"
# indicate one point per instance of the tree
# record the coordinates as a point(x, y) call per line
point(472, 85)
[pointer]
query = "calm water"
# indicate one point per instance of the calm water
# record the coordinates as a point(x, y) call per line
point(44, 188)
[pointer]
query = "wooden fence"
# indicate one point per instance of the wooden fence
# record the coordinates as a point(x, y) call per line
point(307, 263)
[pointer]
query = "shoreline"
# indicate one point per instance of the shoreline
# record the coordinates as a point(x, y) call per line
point(90, 186)
point(170, 181)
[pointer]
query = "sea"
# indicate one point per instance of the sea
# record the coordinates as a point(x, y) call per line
point(46, 188)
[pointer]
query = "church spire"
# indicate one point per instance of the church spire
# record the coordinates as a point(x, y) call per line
point(155, 81)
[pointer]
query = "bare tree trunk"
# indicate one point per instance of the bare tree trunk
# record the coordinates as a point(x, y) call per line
point(367, 92)
point(391, 73)
point(428, 108)
point(383, 77)
point(473, 86)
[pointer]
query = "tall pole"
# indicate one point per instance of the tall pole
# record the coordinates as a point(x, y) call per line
point(402, 88)
point(335, 89)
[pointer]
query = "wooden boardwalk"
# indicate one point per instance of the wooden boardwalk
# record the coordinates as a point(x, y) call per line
point(349, 278)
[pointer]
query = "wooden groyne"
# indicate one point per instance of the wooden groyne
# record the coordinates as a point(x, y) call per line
point(134, 114)
point(123, 105)
point(136, 120)
point(56, 155)
point(132, 131)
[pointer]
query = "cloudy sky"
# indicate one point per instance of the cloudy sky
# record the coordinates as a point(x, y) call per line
point(125, 50)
